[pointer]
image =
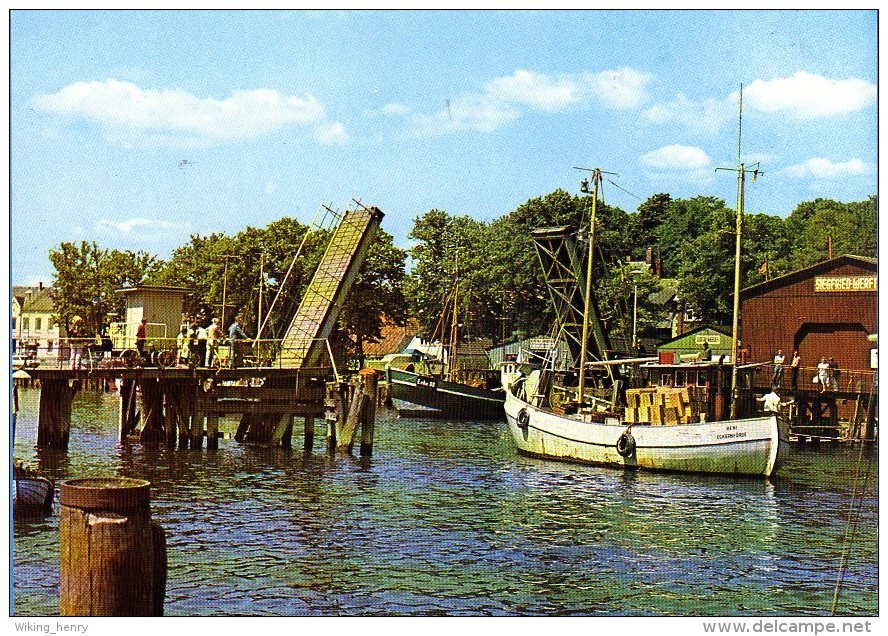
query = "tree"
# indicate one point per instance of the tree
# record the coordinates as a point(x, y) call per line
point(86, 277)
point(377, 295)
point(646, 223)
point(850, 226)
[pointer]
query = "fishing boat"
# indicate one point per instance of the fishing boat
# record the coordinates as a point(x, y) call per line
point(478, 396)
point(543, 422)
point(436, 386)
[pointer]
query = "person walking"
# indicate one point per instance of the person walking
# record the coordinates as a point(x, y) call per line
point(236, 336)
point(214, 334)
point(794, 365)
point(777, 379)
point(201, 345)
point(823, 375)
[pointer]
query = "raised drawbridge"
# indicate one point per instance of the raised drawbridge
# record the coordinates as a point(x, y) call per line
point(305, 342)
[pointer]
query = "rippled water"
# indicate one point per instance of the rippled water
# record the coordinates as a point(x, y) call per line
point(446, 519)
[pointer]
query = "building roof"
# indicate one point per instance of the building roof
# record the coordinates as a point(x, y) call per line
point(140, 288)
point(807, 272)
point(394, 339)
point(693, 332)
point(41, 302)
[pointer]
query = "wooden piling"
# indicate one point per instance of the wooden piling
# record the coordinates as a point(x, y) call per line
point(127, 411)
point(54, 416)
point(368, 418)
point(212, 432)
point(345, 431)
point(197, 419)
point(309, 433)
point(113, 558)
point(152, 412)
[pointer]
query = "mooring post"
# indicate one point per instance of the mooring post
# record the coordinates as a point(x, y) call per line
point(197, 419)
point(127, 412)
point(345, 433)
point(169, 414)
point(54, 415)
point(152, 412)
point(113, 558)
point(287, 437)
point(368, 417)
point(212, 432)
point(309, 433)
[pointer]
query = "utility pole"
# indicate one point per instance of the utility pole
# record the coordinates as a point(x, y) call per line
point(741, 171)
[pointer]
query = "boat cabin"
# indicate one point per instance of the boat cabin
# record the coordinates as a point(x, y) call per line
point(709, 382)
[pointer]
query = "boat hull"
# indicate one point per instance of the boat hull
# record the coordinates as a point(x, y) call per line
point(33, 496)
point(753, 447)
point(445, 399)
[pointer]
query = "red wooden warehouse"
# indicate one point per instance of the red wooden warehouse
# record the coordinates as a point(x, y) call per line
point(826, 310)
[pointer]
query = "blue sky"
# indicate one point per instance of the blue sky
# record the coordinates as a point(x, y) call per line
point(137, 129)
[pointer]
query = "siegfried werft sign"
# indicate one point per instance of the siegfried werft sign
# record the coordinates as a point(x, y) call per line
point(845, 283)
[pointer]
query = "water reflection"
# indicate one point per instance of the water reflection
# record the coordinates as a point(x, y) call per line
point(445, 519)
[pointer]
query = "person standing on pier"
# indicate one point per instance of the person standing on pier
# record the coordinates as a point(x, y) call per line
point(140, 337)
point(182, 344)
point(823, 375)
point(794, 365)
point(76, 335)
point(777, 380)
point(235, 335)
point(214, 334)
point(834, 374)
point(201, 344)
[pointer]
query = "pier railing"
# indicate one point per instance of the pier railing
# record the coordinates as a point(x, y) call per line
point(94, 353)
point(845, 381)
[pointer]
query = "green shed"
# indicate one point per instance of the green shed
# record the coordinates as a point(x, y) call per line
point(691, 343)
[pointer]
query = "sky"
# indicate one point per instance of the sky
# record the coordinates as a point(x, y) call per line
point(137, 129)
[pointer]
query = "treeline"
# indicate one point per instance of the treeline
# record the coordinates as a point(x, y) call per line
point(502, 292)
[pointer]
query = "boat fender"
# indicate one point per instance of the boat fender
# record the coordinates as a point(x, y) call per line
point(626, 444)
point(523, 418)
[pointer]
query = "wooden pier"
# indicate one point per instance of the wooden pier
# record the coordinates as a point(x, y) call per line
point(180, 407)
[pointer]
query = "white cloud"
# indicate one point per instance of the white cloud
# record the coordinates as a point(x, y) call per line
point(505, 99)
point(621, 88)
point(675, 157)
point(140, 228)
point(139, 116)
point(820, 168)
point(807, 96)
point(705, 117)
point(533, 89)
point(331, 134)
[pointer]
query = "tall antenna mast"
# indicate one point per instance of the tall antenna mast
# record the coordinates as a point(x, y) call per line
point(741, 171)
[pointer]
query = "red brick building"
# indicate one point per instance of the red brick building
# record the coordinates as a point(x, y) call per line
point(828, 309)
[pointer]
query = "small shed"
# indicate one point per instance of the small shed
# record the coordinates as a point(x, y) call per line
point(692, 342)
point(162, 306)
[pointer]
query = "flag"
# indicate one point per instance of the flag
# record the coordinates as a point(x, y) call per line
point(765, 270)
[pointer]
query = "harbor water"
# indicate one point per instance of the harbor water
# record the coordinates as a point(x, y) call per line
point(447, 519)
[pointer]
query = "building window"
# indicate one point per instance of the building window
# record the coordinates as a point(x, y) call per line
point(25, 325)
point(49, 345)
point(13, 324)
point(38, 323)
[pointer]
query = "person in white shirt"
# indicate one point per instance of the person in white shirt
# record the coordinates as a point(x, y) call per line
point(214, 334)
point(778, 369)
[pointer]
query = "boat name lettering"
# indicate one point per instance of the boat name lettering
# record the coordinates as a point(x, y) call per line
point(428, 382)
point(730, 435)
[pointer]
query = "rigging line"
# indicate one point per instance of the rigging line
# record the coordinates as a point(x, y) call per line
point(290, 269)
point(851, 526)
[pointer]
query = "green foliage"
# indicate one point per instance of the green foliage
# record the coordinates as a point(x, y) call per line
point(87, 276)
point(851, 226)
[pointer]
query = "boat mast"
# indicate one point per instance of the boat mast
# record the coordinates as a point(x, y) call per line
point(596, 178)
point(741, 170)
point(454, 324)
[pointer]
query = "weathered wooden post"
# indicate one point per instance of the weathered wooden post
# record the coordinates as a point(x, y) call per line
point(345, 430)
point(113, 558)
point(212, 432)
point(197, 418)
point(368, 417)
point(54, 418)
point(309, 433)
point(152, 412)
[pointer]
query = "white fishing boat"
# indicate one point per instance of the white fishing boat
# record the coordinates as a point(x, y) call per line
point(702, 437)
point(749, 446)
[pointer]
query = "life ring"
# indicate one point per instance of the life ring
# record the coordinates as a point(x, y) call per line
point(523, 419)
point(626, 444)
point(166, 359)
point(129, 357)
